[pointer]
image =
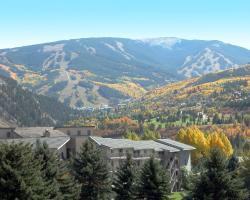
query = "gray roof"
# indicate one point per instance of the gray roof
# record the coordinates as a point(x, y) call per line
point(37, 132)
point(53, 142)
point(175, 144)
point(136, 145)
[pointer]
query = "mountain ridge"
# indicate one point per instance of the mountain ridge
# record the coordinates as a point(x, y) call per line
point(95, 71)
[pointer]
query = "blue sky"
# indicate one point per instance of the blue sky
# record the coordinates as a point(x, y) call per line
point(25, 22)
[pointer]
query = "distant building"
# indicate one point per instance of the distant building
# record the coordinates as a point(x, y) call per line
point(172, 155)
point(64, 140)
point(78, 135)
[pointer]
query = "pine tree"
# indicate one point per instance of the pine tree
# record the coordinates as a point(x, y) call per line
point(153, 183)
point(216, 182)
point(245, 171)
point(50, 163)
point(124, 183)
point(69, 187)
point(20, 173)
point(233, 163)
point(92, 173)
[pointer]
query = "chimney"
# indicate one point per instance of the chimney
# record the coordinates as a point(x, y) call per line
point(46, 133)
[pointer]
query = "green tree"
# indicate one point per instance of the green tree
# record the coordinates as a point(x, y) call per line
point(124, 183)
point(92, 173)
point(152, 127)
point(153, 182)
point(20, 173)
point(245, 171)
point(233, 163)
point(216, 182)
point(69, 187)
point(50, 168)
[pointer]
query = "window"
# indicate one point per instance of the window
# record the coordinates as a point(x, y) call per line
point(69, 152)
point(62, 155)
point(120, 150)
point(111, 151)
point(8, 134)
point(88, 132)
point(137, 153)
point(78, 132)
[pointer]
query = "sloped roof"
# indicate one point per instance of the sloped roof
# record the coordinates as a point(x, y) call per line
point(37, 132)
point(53, 142)
point(136, 145)
point(175, 144)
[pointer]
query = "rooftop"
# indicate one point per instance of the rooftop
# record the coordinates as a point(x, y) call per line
point(85, 126)
point(38, 132)
point(175, 144)
point(53, 142)
point(136, 145)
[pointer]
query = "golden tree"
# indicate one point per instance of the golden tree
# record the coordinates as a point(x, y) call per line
point(196, 138)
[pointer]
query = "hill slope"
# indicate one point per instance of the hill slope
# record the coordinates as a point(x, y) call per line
point(94, 71)
point(22, 107)
point(226, 89)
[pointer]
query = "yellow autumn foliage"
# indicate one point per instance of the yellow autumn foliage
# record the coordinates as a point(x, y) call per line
point(189, 88)
point(132, 136)
point(220, 140)
point(196, 138)
point(129, 88)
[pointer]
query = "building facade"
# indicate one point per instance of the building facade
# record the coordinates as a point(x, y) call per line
point(172, 157)
point(64, 140)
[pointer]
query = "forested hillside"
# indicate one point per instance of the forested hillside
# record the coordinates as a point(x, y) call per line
point(216, 98)
point(229, 88)
point(22, 107)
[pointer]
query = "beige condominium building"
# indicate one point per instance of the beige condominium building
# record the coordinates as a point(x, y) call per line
point(64, 140)
point(171, 154)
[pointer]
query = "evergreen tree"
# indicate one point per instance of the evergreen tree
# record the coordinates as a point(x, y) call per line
point(69, 187)
point(20, 173)
point(216, 182)
point(245, 171)
point(125, 181)
point(92, 173)
point(233, 163)
point(50, 163)
point(153, 183)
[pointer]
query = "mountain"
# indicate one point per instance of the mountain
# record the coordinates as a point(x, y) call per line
point(94, 71)
point(224, 91)
point(23, 108)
